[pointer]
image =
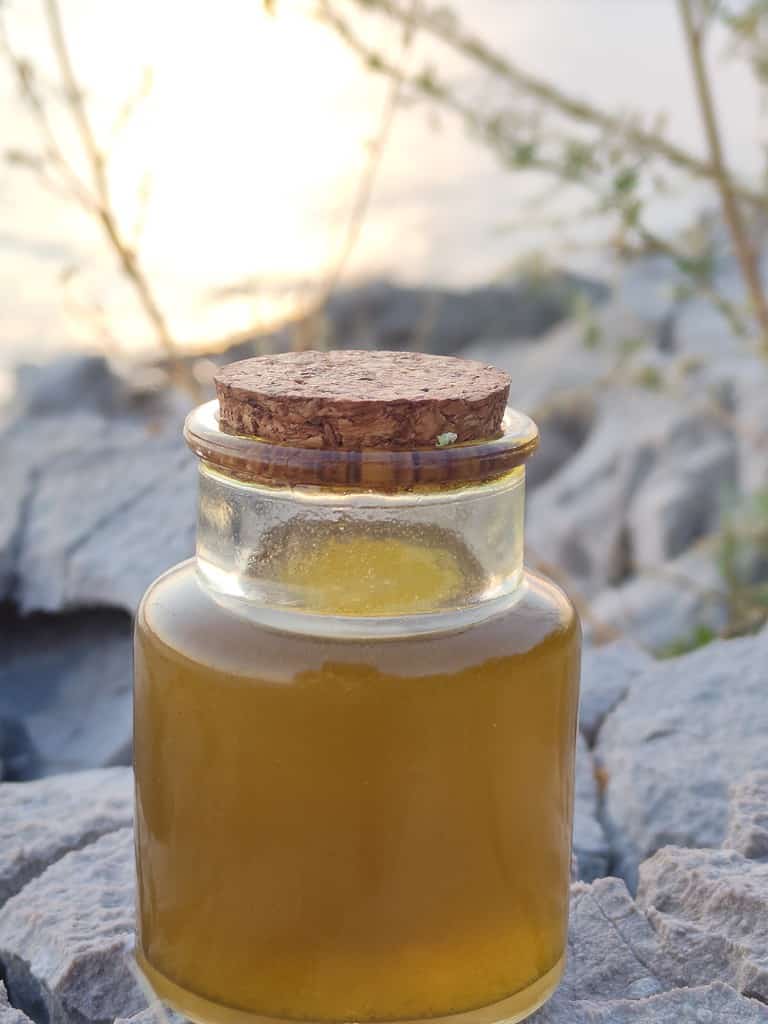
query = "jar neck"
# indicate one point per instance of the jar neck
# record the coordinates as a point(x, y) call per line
point(322, 561)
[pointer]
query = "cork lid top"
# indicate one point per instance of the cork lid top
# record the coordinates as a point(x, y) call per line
point(353, 400)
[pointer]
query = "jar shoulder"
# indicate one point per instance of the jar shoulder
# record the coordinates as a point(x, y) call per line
point(549, 599)
point(178, 613)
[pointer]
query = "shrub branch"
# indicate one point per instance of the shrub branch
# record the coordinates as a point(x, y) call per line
point(101, 202)
point(448, 30)
point(743, 248)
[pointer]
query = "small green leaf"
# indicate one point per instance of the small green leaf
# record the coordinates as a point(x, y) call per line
point(576, 159)
point(625, 181)
point(447, 438)
point(649, 377)
point(700, 637)
point(523, 154)
point(592, 335)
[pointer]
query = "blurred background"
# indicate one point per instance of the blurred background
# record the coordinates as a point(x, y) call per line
point(575, 190)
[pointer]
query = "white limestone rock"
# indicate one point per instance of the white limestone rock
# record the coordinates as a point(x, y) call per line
point(612, 953)
point(66, 939)
point(27, 446)
point(66, 681)
point(9, 1014)
point(16, 484)
point(102, 524)
point(606, 676)
point(78, 488)
point(609, 508)
point(41, 821)
point(748, 819)
point(687, 730)
point(666, 605)
point(681, 501)
point(709, 909)
point(707, 1004)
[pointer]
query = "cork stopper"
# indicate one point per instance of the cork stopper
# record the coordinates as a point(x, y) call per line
point(353, 400)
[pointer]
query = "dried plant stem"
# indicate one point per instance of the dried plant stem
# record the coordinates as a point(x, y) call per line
point(488, 127)
point(306, 332)
point(102, 204)
point(575, 108)
point(743, 248)
point(375, 152)
point(727, 309)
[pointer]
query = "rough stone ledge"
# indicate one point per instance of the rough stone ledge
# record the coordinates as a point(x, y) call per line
point(688, 729)
point(66, 938)
point(709, 908)
point(692, 949)
point(42, 821)
point(748, 820)
point(9, 1014)
point(707, 1004)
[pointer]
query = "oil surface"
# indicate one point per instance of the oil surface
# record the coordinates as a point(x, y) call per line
point(347, 829)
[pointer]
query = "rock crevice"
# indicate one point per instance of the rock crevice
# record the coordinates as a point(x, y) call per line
point(690, 948)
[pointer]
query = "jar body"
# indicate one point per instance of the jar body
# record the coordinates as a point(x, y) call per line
point(352, 828)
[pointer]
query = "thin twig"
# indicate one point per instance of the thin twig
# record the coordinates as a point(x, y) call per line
point(375, 152)
point(25, 79)
point(305, 329)
point(743, 249)
point(488, 127)
point(126, 256)
point(727, 309)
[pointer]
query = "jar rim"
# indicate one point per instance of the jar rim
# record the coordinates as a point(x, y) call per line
point(254, 460)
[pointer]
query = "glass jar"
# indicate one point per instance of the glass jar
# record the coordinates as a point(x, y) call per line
point(355, 722)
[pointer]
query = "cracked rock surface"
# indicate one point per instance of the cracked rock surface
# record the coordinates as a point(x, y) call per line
point(606, 676)
point(694, 945)
point(688, 729)
point(41, 821)
point(709, 908)
point(66, 681)
point(95, 509)
point(706, 1004)
point(591, 851)
point(9, 1014)
point(690, 948)
point(66, 938)
point(748, 818)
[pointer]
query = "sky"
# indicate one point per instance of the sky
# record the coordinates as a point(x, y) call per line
point(253, 138)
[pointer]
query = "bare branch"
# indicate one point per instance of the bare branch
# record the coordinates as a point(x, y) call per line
point(70, 184)
point(144, 196)
point(744, 251)
point(376, 149)
point(727, 309)
point(126, 255)
point(134, 101)
point(572, 161)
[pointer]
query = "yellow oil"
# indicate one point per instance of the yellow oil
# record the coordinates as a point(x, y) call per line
point(375, 576)
point(354, 830)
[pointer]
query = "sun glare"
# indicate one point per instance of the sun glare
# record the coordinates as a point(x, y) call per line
point(251, 139)
point(245, 185)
